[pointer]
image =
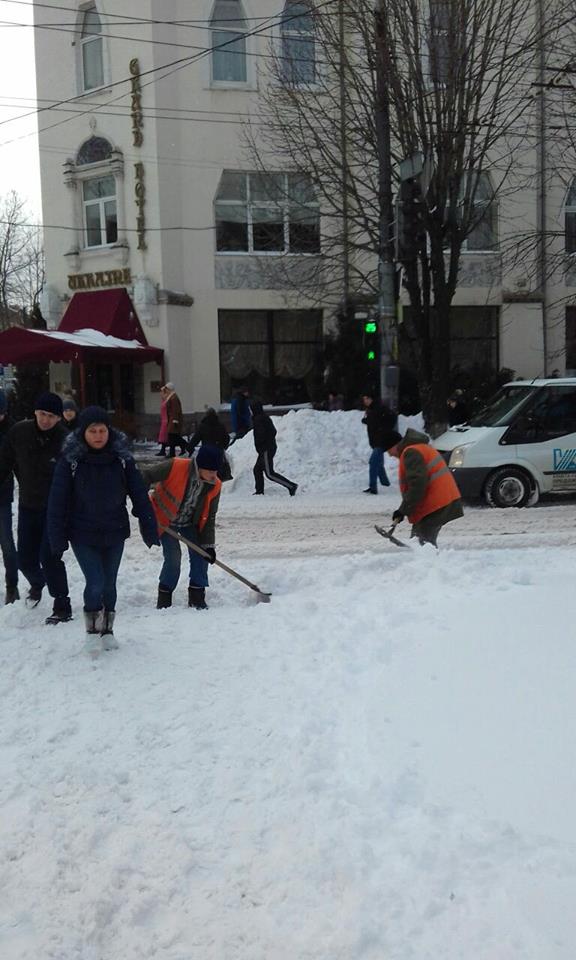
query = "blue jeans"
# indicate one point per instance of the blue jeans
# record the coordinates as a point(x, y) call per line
point(100, 568)
point(376, 469)
point(35, 558)
point(170, 572)
point(7, 545)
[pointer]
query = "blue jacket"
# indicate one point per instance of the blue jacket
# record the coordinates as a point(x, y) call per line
point(87, 502)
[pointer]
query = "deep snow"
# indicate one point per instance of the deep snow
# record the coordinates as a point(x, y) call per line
point(378, 765)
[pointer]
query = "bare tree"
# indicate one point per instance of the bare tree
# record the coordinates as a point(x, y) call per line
point(454, 81)
point(21, 262)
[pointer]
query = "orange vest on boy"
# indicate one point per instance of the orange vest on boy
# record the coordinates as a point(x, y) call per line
point(441, 489)
point(168, 494)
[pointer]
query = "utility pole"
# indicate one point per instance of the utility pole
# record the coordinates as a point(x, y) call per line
point(386, 265)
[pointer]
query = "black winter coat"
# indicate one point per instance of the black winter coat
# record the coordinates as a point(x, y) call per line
point(380, 421)
point(210, 430)
point(264, 430)
point(31, 454)
point(7, 488)
point(87, 501)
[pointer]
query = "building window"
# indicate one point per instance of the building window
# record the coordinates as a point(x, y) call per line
point(100, 218)
point(439, 41)
point(570, 220)
point(482, 214)
point(298, 54)
point(94, 150)
point(266, 213)
point(228, 33)
point(570, 341)
point(91, 50)
point(276, 354)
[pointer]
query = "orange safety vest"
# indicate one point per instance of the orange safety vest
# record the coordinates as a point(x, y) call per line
point(167, 495)
point(441, 489)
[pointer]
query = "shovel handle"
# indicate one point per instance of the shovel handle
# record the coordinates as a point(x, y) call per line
point(223, 566)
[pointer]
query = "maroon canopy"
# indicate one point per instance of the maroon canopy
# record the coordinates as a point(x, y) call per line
point(109, 311)
point(19, 345)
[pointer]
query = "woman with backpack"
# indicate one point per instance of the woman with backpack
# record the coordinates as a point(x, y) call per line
point(87, 509)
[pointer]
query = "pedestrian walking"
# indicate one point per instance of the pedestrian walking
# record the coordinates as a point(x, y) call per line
point(240, 413)
point(185, 499)
point(266, 448)
point(430, 496)
point(163, 433)
point(212, 431)
point(70, 414)
point(30, 451)
point(7, 545)
point(175, 421)
point(87, 510)
point(380, 420)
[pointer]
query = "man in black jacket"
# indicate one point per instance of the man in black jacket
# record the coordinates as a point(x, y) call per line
point(30, 451)
point(265, 443)
point(380, 422)
point(7, 545)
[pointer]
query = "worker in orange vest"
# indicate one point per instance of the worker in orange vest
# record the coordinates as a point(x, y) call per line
point(185, 499)
point(430, 496)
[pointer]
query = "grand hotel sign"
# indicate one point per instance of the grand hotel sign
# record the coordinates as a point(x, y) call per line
point(103, 278)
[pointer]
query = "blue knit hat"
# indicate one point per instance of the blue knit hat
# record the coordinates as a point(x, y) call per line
point(209, 457)
point(92, 415)
point(50, 403)
point(3, 402)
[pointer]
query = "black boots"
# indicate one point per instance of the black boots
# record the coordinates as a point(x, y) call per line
point(62, 611)
point(100, 624)
point(93, 621)
point(164, 598)
point(11, 595)
point(109, 641)
point(34, 597)
point(197, 598)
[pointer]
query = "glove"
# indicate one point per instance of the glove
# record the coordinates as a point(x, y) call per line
point(211, 554)
point(397, 516)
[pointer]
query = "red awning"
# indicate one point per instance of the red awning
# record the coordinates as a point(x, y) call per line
point(109, 311)
point(19, 345)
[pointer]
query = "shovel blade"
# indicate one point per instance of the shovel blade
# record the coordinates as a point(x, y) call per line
point(389, 535)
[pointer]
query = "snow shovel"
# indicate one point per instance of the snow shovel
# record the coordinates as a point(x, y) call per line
point(261, 594)
point(389, 534)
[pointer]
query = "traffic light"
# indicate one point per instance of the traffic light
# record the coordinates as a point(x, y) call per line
point(371, 341)
point(409, 219)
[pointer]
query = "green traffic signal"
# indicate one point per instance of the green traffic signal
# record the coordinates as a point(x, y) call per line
point(371, 355)
point(370, 326)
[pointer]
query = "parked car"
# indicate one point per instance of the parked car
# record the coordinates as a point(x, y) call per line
point(521, 444)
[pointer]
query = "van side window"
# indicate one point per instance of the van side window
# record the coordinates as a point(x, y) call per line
point(553, 414)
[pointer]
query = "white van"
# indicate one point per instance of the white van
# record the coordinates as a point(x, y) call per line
point(521, 444)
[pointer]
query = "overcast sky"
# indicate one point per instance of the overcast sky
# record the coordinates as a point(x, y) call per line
point(19, 165)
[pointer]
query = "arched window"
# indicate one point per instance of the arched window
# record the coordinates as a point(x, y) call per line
point(228, 33)
point(482, 215)
point(91, 50)
point(94, 150)
point(298, 54)
point(570, 219)
point(96, 175)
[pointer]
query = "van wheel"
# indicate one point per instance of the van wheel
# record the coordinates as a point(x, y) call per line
point(508, 487)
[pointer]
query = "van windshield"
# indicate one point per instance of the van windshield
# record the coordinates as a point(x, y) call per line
point(503, 407)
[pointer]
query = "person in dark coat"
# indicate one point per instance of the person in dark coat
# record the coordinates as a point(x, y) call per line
point(70, 414)
point(240, 414)
point(212, 431)
point(87, 509)
point(30, 451)
point(7, 545)
point(380, 421)
point(265, 443)
point(175, 420)
point(457, 409)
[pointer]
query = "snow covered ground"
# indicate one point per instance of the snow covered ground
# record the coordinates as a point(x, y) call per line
point(377, 765)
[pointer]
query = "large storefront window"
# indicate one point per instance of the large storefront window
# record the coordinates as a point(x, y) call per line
point(473, 341)
point(275, 353)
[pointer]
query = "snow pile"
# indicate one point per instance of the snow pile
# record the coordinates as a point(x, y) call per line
point(322, 451)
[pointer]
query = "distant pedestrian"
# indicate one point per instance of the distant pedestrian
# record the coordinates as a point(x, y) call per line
point(163, 433)
point(212, 431)
point(457, 409)
point(240, 414)
point(185, 499)
point(7, 545)
point(87, 509)
point(265, 443)
point(30, 451)
point(430, 496)
point(335, 401)
point(70, 414)
point(380, 421)
point(175, 421)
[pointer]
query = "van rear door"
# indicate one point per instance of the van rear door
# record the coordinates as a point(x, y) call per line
point(544, 436)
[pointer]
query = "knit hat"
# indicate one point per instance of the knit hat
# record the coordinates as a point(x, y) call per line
point(209, 457)
point(3, 402)
point(69, 405)
point(50, 403)
point(391, 439)
point(92, 415)
point(169, 386)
